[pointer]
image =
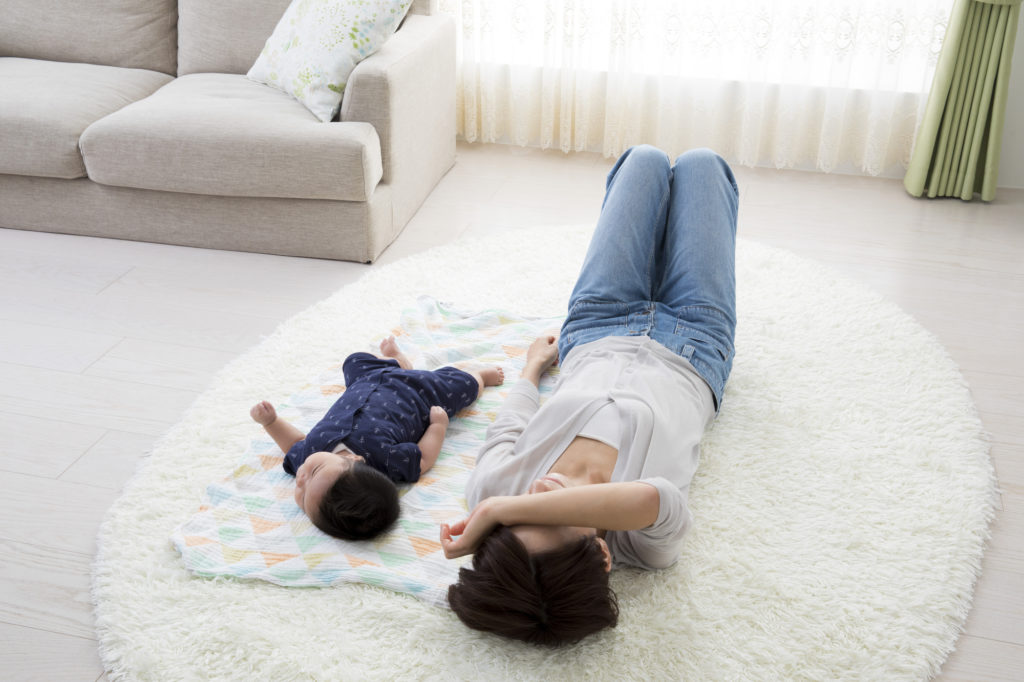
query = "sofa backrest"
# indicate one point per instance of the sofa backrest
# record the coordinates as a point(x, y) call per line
point(140, 34)
point(226, 36)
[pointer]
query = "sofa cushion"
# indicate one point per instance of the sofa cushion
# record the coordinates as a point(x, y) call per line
point(45, 106)
point(137, 34)
point(317, 43)
point(224, 36)
point(223, 134)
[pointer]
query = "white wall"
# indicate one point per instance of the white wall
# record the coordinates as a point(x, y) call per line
point(1011, 159)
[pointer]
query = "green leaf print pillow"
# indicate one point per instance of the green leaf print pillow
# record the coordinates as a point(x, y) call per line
point(317, 43)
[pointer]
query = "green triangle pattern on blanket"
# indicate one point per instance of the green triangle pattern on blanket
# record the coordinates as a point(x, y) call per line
point(308, 542)
point(286, 577)
point(228, 535)
point(414, 527)
point(391, 559)
point(255, 504)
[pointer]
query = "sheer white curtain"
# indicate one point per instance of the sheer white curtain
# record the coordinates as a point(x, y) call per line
point(817, 84)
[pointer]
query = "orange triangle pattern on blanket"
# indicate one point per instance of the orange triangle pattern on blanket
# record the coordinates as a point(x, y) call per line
point(262, 525)
point(272, 558)
point(356, 562)
point(424, 547)
point(193, 540)
point(331, 389)
point(270, 461)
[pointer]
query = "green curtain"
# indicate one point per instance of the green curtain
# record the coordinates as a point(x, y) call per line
point(957, 149)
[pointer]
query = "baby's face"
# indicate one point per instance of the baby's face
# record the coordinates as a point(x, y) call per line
point(317, 474)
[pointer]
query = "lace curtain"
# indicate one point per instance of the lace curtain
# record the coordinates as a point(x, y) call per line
point(820, 84)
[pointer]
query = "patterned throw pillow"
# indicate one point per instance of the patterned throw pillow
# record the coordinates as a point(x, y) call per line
point(317, 43)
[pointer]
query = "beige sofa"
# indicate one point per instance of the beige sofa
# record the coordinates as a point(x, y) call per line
point(134, 119)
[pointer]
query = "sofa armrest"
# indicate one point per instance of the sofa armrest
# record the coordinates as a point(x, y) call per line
point(406, 90)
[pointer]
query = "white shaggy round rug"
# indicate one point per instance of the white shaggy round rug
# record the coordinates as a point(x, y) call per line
point(841, 505)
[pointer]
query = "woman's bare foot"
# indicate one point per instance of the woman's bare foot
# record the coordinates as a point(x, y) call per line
point(389, 349)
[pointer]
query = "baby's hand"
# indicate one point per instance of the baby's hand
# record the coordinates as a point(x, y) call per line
point(438, 416)
point(263, 413)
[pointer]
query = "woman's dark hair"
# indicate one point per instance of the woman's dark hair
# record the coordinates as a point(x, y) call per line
point(362, 504)
point(555, 597)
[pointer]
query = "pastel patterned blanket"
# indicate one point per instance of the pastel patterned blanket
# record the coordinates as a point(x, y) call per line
point(250, 527)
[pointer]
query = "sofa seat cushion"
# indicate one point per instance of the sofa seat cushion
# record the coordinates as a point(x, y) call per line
point(45, 106)
point(225, 135)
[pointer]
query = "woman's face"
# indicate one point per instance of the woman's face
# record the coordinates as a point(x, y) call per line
point(537, 538)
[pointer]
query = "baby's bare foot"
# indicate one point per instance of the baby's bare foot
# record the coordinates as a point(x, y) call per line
point(389, 348)
point(493, 376)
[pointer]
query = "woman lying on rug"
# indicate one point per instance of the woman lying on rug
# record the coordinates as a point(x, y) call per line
point(645, 354)
point(388, 425)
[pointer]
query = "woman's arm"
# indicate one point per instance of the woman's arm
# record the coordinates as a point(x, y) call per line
point(522, 402)
point(605, 506)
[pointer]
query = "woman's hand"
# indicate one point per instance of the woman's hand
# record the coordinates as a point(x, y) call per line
point(543, 351)
point(541, 354)
point(464, 536)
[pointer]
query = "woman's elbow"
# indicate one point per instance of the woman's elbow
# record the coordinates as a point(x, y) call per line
point(648, 504)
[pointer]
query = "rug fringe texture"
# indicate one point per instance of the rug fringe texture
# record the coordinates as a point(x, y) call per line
point(841, 506)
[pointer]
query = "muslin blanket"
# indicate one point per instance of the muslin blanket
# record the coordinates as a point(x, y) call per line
point(249, 526)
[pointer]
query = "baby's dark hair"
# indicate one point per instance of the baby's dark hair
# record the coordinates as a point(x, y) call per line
point(362, 504)
point(552, 598)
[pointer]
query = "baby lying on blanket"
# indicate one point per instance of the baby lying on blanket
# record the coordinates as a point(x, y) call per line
point(388, 425)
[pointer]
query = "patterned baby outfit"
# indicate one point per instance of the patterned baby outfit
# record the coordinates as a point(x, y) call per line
point(383, 413)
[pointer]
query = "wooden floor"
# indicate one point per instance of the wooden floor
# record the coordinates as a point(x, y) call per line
point(104, 344)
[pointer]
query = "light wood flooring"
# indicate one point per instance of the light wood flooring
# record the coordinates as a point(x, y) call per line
point(104, 343)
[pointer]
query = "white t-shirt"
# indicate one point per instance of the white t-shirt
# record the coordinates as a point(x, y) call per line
point(664, 407)
point(604, 425)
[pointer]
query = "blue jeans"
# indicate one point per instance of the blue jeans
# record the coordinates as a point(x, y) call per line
point(662, 259)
